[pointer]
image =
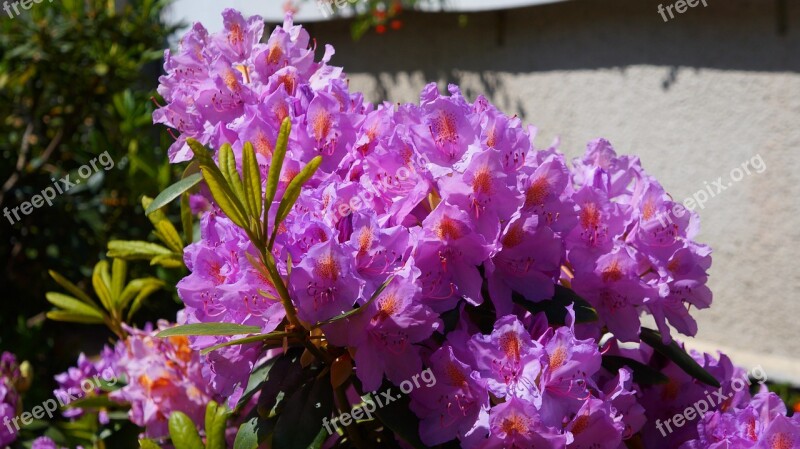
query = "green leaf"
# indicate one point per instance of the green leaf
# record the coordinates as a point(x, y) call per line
point(168, 261)
point(285, 377)
point(642, 374)
point(556, 307)
point(119, 271)
point(136, 250)
point(72, 288)
point(93, 402)
point(137, 291)
point(166, 232)
point(101, 284)
point(274, 371)
point(148, 444)
point(227, 164)
point(186, 218)
point(678, 356)
point(252, 180)
point(109, 386)
point(322, 436)
point(209, 329)
point(224, 197)
point(216, 423)
point(276, 164)
point(218, 185)
point(184, 432)
point(301, 419)
point(253, 432)
point(175, 190)
point(72, 305)
point(71, 317)
point(246, 340)
point(134, 287)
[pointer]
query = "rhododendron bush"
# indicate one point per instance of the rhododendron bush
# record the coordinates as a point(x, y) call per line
point(349, 249)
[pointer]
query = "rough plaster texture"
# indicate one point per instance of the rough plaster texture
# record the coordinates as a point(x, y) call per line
point(695, 97)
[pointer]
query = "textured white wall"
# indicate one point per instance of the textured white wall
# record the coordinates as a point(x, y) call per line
point(695, 97)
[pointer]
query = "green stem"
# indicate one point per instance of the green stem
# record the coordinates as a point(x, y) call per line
point(344, 406)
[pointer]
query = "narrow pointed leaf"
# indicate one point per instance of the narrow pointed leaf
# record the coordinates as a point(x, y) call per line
point(209, 329)
point(73, 305)
point(227, 164)
point(136, 250)
point(278, 336)
point(678, 356)
point(168, 261)
point(175, 190)
point(225, 198)
point(186, 218)
point(119, 271)
point(92, 402)
point(166, 232)
point(61, 315)
point(72, 288)
point(252, 180)
point(137, 291)
point(220, 189)
point(276, 164)
point(101, 284)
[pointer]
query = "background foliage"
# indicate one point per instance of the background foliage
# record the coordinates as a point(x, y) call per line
point(76, 79)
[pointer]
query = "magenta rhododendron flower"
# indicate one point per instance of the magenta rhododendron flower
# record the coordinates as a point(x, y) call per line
point(44, 443)
point(9, 397)
point(163, 375)
point(760, 423)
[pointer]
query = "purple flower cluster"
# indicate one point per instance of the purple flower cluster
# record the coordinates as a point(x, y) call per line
point(157, 376)
point(450, 208)
point(761, 423)
point(45, 443)
point(84, 380)
point(164, 375)
point(525, 385)
point(632, 249)
point(426, 193)
point(9, 398)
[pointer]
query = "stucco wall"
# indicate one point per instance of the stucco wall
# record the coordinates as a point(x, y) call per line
point(695, 97)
